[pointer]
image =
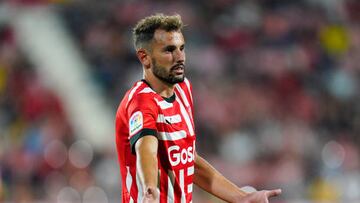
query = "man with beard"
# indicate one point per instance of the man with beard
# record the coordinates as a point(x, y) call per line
point(155, 133)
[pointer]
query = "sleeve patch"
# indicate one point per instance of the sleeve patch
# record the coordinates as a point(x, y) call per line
point(136, 123)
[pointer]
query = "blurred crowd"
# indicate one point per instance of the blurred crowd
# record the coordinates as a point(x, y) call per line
point(275, 82)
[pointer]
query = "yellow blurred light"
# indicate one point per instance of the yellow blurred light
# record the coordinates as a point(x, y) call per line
point(3, 78)
point(334, 39)
point(323, 191)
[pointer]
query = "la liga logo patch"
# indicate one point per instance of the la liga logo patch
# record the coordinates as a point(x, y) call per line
point(135, 122)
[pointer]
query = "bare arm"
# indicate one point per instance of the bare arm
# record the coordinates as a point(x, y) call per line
point(210, 180)
point(147, 167)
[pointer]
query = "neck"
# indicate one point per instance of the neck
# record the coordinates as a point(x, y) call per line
point(162, 88)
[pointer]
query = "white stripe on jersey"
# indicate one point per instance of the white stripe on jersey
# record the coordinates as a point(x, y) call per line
point(128, 179)
point(172, 136)
point(129, 182)
point(189, 89)
point(190, 170)
point(163, 104)
point(146, 90)
point(182, 185)
point(182, 94)
point(133, 91)
point(190, 188)
point(169, 119)
point(186, 117)
point(171, 181)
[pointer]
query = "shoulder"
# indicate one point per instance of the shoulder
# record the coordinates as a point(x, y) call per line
point(141, 95)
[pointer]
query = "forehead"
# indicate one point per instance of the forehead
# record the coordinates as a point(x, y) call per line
point(162, 37)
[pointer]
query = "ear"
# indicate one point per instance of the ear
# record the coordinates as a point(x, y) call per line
point(144, 57)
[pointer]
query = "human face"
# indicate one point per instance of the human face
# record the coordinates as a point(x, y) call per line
point(168, 56)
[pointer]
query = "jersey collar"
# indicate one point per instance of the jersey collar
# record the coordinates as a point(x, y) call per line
point(170, 99)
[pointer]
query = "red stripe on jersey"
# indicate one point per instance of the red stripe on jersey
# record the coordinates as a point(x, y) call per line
point(163, 185)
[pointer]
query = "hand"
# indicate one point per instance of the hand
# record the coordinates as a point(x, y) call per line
point(151, 196)
point(260, 196)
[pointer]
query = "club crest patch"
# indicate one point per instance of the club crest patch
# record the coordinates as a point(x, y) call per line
point(135, 123)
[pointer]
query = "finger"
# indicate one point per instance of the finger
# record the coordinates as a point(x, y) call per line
point(273, 193)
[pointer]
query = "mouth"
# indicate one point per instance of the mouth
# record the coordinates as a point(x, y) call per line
point(178, 69)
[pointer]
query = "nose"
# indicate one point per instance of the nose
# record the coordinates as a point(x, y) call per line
point(179, 56)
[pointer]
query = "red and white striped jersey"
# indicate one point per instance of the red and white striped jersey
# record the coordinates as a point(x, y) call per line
point(144, 112)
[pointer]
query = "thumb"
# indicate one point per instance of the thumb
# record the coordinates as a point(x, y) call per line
point(273, 193)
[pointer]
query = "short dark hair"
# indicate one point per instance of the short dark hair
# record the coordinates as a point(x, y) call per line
point(144, 30)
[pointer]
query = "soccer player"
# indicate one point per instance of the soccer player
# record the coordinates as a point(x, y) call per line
point(155, 132)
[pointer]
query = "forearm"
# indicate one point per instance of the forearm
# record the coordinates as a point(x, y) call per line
point(210, 180)
point(147, 163)
point(147, 169)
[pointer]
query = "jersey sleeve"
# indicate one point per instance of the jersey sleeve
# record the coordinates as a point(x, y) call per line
point(142, 113)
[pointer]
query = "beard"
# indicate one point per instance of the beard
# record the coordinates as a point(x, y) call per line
point(165, 75)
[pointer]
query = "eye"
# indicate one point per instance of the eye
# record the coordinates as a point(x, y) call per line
point(169, 48)
point(182, 47)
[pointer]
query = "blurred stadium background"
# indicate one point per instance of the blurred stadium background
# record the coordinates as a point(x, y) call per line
point(276, 86)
